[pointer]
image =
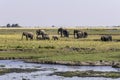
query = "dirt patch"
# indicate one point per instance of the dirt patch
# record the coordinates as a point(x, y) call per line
point(116, 65)
point(114, 49)
point(88, 74)
point(15, 49)
point(78, 49)
point(83, 49)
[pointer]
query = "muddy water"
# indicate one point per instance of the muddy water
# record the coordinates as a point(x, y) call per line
point(44, 74)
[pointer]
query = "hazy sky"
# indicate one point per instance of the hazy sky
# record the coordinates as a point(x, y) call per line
point(60, 12)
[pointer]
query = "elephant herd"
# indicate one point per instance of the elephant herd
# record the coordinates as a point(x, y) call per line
point(42, 35)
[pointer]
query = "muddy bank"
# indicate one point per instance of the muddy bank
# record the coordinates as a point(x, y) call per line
point(16, 70)
point(77, 63)
point(115, 64)
point(88, 74)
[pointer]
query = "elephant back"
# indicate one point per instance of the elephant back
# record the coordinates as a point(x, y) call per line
point(27, 33)
point(40, 32)
point(30, 34)
point(76, 31)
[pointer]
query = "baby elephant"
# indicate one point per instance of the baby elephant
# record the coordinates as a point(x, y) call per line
point(55, 37)
point(106, 38)
point(27, 35)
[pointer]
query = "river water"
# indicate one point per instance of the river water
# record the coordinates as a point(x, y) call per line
point(44, 74)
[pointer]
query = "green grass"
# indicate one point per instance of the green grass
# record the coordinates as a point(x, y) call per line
point(89, 49)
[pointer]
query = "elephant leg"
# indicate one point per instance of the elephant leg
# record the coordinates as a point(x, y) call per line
point(78, 36)
point(74, 35)
point(31, 37)
point(67, 35)
point(22, 37)
point(26, 37)
point(61, 33)
point(37, 37)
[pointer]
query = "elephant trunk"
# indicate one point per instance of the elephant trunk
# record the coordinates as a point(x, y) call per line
point(22, 36)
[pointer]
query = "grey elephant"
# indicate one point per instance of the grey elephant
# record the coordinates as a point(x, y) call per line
point(40, 32)
point(106, 38)
point(55, 37)
point(63, 32)
point(76, 32)
point(60, 31)
point(28, 35)
point(46, 37)
point(85, 34)
point(80, 34)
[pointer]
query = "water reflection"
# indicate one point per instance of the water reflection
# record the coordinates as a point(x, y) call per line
point(43, 75)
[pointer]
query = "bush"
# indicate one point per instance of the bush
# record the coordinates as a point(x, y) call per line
point(17, 47)
point(40, 46)
point(49, 47)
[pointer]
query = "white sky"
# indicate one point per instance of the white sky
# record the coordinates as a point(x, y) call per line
point(60, 12)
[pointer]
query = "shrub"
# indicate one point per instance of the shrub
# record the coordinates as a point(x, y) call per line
point(17, 47)
point(49, 47)
point(40, 47)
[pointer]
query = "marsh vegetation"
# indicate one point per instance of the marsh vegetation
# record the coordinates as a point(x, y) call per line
point(64, 49)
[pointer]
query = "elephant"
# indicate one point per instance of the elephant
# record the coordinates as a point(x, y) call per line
point(40, 32)
point(85, 34)
point(45, 37)
point(28, 35)
point(106, 38)
point(80, 34)
point(55, 37)
point(75, 32)
point(65, 33)
point(62, 32)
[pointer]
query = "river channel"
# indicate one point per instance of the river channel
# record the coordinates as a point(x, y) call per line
point(48, 69)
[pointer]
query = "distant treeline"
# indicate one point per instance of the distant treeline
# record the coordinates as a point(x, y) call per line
point(12, 25)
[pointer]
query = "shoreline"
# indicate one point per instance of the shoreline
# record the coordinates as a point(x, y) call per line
point(76, 63)
point(115, 64)
point(88, 74)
